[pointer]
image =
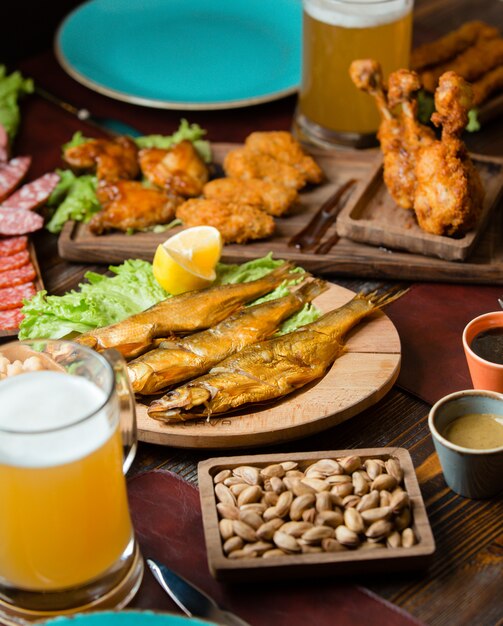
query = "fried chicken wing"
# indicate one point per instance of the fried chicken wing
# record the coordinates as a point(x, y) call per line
point(112, 159)
point(471, 64)
point(128, 205)
point(180, 169)
point(269, 197)
point(449, 192)
point(451, 45)
point(245, 163)
point(399, 176)
point(282, 146)
point(237, 223)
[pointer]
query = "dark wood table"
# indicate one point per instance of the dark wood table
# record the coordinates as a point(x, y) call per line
point(464, 584)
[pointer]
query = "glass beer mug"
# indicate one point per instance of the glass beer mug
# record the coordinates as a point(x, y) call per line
point(66, 538)
point(331, 110)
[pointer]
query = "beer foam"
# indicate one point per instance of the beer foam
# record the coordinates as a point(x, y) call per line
point(357, 13)
point(41, 419)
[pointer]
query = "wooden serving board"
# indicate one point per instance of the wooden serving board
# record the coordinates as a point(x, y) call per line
point(485, 264)
point(358, 379)
point(39, 285)
point(345, 563)
point(372, 216)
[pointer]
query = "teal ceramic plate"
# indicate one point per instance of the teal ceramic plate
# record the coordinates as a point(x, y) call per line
point(184, 54)
point(127, 618)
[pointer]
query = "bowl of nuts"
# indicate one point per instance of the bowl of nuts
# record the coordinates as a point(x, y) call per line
point(333, 512)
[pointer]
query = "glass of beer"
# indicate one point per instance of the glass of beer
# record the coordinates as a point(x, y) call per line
point(67, 542)
point(331, 110)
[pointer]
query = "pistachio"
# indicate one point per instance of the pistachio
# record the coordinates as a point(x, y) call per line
point(286, 542)
point(284, 502)
point(346, 537)
point(384, 497)
point(317, 533)
point(350, 502)
point(296, 529)
point(310, 549)
point(233, 480)
point(266, 530)
point(317, 484)
point(294, 474)
point(371, 545)
point(221, 476)
point(224, 494)
point(373, 468)
point(342, 490)
point(384, 481)
point(403, 519)
point(249, 474)
point(394, 540)
point(350, 463)
point(237, 489)
point(251, 518)
point(331, 545)
point(328, 467)
point(374, 515)
point(353, 520)
point(309, 515)
point(251, 494)
point(258, 507)
point(234, 543)
point(241, 554)
point(338, 479)
point(288, 466)
point(226, 529)
point(243, 530)
point(299, 487)
point(228, 511)
point(360, 484)
point(399, 500)
point(270, 498)
point(394, 468)
point(368, 501)
point(259, 547)
point(329, 518)
point(275, 470)
point(379, 530)
point(300, 504)
point(276, 485)
point(323, 501)
point(270, 514)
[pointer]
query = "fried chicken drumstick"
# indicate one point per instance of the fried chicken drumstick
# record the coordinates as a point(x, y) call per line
point(449, 193)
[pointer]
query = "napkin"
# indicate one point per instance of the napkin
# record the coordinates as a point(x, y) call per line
point(430, 320)
point(167, 518)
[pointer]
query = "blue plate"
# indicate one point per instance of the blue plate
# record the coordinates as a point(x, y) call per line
point(184, 54)
point(126, 618)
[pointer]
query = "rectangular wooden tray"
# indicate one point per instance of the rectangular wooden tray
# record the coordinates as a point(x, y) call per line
point(484, 265)
point(372, 216)
point(39, 285)
point(336, 563)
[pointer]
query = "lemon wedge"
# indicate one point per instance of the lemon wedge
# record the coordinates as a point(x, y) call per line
point(187, 260)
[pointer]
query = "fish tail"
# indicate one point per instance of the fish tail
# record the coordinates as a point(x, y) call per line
point(311, 290)
point(381, 299)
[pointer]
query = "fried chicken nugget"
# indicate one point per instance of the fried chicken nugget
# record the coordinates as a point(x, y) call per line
point(470, 65)
point(451, 45)
point(180, 169)
point(112, 159)
point(127, 204)
point(282, 146)
point(269, 197)
point(245, 163)
point(237, 223)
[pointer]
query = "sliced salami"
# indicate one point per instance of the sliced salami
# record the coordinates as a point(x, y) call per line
point(11, 174)
point(4, 144)
point(12, 297)
point(14, 261)
point(34, 194)
point(10, 320)
point(11, 278)
point(19, 221)
point(13, 245)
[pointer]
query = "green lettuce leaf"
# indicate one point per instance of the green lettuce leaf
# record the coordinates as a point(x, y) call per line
point(75, 199)
point(12, 87)
point(426, 107)
point(186, 131)
point(104, 300)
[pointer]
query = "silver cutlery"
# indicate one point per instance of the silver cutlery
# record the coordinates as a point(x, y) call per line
point(192, 601)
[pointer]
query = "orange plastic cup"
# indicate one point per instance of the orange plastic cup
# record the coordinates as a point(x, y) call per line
point(485, 374)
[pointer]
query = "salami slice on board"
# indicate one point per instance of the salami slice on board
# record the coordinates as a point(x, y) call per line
point(11, 174)
point(12, 297)
point(14, 261)
point(34, 194)
point(10, 320)
point(13, 245)
point(11, 278)
point(19, 221)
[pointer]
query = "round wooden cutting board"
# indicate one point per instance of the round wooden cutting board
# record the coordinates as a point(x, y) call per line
point(357, 380)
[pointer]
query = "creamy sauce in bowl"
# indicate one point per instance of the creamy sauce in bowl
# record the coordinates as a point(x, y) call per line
point(476, 431)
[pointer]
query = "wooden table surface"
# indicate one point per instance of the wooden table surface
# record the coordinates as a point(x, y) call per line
point(464, 584)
